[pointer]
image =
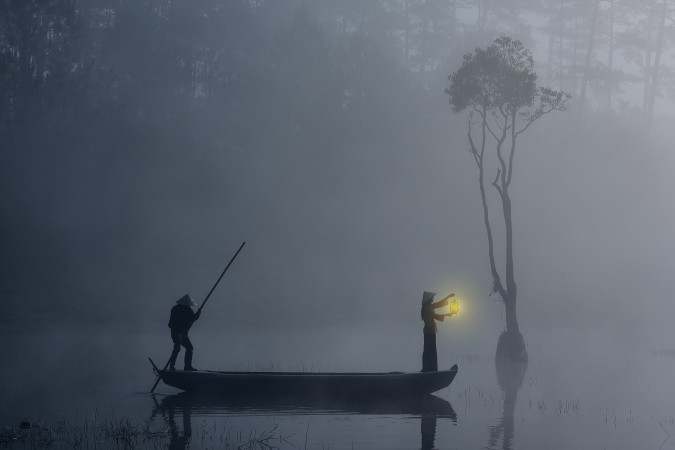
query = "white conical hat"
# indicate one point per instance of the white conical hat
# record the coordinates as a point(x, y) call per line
point(186, 300)
point(428, 296)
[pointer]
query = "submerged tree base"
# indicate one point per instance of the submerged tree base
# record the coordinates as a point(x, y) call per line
point(511, 347)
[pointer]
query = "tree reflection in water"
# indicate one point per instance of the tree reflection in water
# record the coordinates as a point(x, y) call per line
point(429, 408)
point(510, 376)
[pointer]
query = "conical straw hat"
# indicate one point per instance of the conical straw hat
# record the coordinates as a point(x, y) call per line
point(427, 296)
point(186, 300)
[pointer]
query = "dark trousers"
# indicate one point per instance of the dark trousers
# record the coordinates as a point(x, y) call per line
point(178, 340)
point(429, 356)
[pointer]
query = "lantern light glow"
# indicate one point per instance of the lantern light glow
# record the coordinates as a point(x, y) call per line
point(454, 306)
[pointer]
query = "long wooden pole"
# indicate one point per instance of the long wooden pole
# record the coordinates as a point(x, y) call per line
point(199, 311)
point(220, 277)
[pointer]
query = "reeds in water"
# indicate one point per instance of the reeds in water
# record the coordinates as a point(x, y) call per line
point(124, 434)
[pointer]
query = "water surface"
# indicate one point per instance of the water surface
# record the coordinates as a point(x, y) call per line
point(576, 399)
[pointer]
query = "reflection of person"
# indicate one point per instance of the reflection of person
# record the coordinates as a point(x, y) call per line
point(181, 319)
point(429, 316)
point(179, 441)
point(428, 429)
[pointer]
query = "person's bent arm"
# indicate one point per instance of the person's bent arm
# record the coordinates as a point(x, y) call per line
point(440, 304)
point(443, 302)
point(448, 297)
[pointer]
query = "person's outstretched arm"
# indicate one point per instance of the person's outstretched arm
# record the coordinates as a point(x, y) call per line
point(440, 304)
point(448, 297)
point(443, 302)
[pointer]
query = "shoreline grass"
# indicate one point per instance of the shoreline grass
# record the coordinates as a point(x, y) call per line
point(124, 434)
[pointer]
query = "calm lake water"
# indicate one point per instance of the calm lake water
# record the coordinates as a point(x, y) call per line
point(581, 398)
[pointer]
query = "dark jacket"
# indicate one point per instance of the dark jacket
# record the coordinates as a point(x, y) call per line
point(429, 315)
point(182, 317)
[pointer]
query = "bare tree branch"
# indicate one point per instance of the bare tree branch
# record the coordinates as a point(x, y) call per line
point(487, 125)
point(496, 185)
point(549, 100)
point(485, 121)
point(533, 118)
point(500, 157)
point(474, 150)
point(512, 151)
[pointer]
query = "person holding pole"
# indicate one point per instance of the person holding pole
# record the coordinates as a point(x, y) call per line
point(429, 317)
point(180, 325)
point(180, 322)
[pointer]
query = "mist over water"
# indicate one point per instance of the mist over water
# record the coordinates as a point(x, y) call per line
point(560, 404)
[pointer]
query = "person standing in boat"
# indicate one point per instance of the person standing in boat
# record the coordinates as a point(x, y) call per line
point(429, 317)
point(180, 322)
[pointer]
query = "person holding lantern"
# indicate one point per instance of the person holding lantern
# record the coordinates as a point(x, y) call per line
point(429, 317)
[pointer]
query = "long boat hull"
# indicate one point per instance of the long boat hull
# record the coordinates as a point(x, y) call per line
point(307, 384)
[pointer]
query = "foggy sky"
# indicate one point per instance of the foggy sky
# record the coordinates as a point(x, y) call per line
point(343, 239)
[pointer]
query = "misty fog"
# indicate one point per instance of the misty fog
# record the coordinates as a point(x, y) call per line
point(142, 142)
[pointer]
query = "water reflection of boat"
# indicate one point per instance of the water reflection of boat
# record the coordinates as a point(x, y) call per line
point(428, 408)
point(307, 384)
point(425, 406)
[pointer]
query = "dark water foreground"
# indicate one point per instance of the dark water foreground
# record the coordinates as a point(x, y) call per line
point(179, 421)
point(583, 399)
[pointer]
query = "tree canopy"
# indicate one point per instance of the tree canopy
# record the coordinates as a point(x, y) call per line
point(502, 77)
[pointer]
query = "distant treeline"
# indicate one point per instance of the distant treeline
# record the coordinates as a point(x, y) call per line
point(76, 66)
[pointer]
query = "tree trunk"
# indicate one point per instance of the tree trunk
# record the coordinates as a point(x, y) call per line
point(25, 80)
point(610, 57)
point(561, 34)
point(648, 64)
point(654, 85)
point(425, 37)
point(560, 54)
point(511, 316)
point(510, 277)
point(549, 59)
point(589, 54)
point(482, 15)
point(486, 215)
point(406, 50)
point(575, 68)
point(511, 347)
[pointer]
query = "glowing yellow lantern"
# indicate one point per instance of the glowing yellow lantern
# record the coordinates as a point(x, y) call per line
point(454, 306)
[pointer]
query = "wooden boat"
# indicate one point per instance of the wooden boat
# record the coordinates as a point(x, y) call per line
point(308, 384)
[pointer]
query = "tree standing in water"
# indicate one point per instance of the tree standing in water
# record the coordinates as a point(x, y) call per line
point(498, 87)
